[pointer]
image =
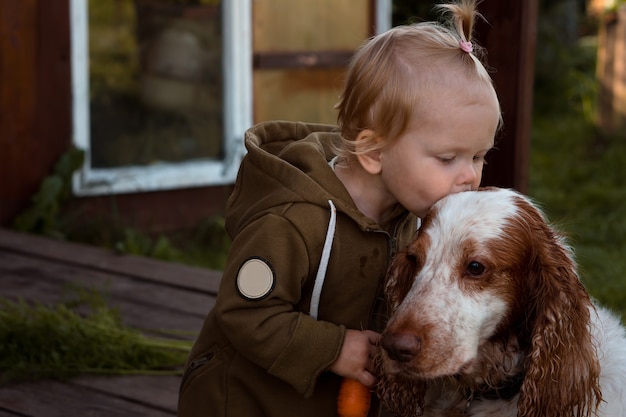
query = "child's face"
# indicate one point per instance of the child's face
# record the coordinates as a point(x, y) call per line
point(443, 150)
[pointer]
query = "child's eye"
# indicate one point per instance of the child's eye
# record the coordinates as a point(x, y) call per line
point(481, 159)
point(446, 159)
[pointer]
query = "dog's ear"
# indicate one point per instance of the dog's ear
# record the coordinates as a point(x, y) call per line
point(401, 273)
point(562, 378)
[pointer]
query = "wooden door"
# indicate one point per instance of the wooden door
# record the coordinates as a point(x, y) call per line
point(301, 50)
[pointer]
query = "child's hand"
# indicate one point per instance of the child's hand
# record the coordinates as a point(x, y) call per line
point(355, 360)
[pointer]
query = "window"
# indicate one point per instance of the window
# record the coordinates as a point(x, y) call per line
point(161, 92)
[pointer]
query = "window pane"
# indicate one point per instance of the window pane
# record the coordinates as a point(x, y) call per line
point(155, 73)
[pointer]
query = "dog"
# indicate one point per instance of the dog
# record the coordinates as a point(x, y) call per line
point(489, 318)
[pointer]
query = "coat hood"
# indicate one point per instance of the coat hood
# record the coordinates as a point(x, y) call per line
point(287, 163)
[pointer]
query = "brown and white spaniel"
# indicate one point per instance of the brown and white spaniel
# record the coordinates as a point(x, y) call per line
point(489, 318)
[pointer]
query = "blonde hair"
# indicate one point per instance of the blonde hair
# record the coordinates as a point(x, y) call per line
point(392, 73)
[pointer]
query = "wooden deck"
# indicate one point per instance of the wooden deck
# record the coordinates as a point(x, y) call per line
point(149, 294)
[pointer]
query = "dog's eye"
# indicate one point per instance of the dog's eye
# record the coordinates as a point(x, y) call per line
point(475, 269)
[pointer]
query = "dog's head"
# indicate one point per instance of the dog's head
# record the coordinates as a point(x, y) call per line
point(489, 289)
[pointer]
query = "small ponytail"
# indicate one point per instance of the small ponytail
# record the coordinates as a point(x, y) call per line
point(392, 75)
point(462, 16)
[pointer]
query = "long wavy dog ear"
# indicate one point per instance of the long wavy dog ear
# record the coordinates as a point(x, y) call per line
point(562, 379)
point(402, 272)
point(403, 396)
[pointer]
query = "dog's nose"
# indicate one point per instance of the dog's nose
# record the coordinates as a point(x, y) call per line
point(401, 347)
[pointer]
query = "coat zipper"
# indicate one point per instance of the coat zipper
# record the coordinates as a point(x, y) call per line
point(194, 365)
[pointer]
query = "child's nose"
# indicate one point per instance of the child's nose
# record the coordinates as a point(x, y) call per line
point(468, 174)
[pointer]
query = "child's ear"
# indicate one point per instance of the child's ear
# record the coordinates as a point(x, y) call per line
point(370, 161)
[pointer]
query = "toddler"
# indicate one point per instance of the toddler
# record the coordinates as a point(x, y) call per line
point(318, 211)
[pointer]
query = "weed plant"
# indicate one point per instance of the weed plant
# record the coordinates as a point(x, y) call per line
point(40, 341)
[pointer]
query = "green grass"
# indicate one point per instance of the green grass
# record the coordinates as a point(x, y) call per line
point(577, 175)
point(579, 181)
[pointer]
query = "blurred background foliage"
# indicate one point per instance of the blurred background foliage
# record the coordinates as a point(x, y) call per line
point(577, 171)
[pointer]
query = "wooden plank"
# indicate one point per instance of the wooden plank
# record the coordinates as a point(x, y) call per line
point(278, 25)
point(300, 94)
point(56, 399)
point(38, 269)
point(142, 305)
point(302, 59)
point(28, 269)
point(98, 259)
point(160, 392)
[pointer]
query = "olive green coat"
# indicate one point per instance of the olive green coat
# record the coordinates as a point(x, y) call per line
point(265, 355)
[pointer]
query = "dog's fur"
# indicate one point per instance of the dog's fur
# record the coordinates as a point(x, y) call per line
point(489, 318)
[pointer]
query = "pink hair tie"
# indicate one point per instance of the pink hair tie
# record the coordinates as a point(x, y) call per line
point(466, 46)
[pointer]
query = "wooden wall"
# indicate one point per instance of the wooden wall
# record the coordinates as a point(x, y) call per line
point(35, 123)
point(35, 112)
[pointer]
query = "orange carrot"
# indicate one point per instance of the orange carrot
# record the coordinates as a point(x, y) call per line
point(354, 399)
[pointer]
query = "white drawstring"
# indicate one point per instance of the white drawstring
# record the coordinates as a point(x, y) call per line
point(321, 271)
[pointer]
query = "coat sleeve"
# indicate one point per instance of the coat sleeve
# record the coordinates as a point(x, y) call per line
point(267, 328)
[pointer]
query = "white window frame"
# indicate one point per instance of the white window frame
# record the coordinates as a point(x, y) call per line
point(383, 15)
point(237, 75)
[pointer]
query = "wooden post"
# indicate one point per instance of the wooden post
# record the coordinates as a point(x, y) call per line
point(35, 122)
point(611, 71)
point(509, 35)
